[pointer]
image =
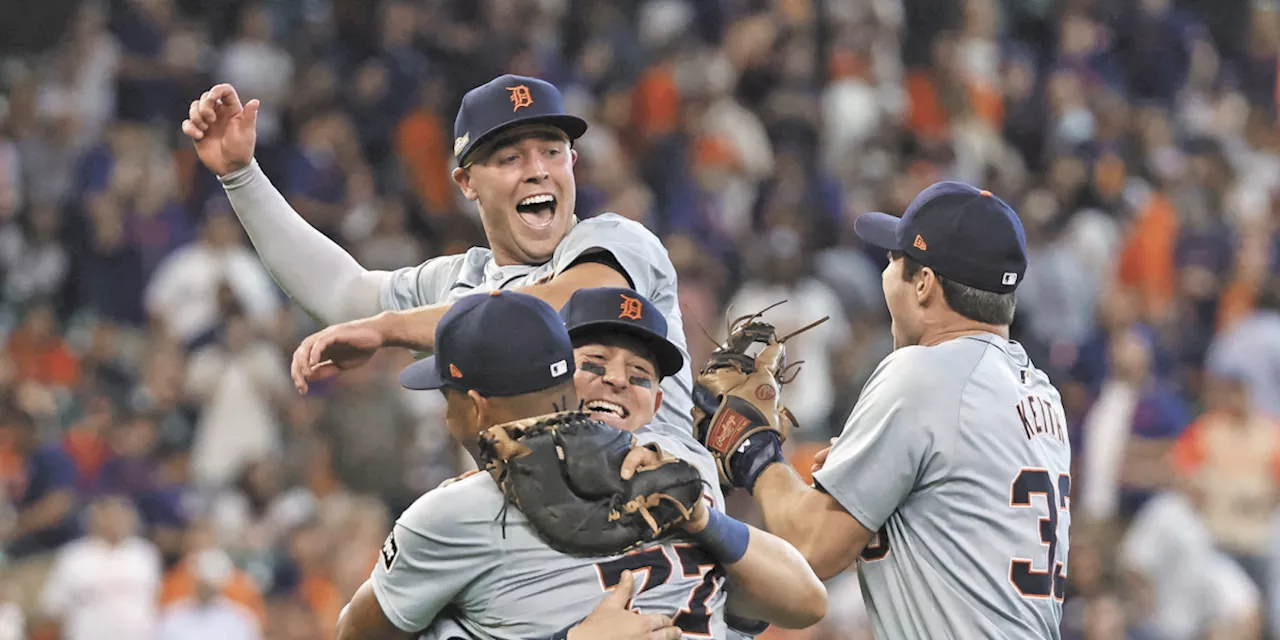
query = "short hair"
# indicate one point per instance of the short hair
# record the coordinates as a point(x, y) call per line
point(986, 307)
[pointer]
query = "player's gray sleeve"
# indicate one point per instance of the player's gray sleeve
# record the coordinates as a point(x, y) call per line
point(636, 249)
point(421, 285)
point(316, 273)
point(434, 551)
point(887, 441)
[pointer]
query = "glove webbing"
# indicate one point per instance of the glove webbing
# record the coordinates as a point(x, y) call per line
point(642, 505)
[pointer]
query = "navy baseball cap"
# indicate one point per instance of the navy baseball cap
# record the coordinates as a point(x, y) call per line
point(963, 233)
point(617, 310)
point(507, 101)
point(501, 344)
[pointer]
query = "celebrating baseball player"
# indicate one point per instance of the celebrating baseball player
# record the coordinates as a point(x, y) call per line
point(621, 353)
point(514, 149)
point(951, 479)
point(529, 549)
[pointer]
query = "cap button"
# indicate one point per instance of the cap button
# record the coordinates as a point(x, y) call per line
point(984, 192)
point(495, 293)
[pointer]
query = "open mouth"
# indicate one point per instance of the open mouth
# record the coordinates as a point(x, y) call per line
point(609, 408)
point(537, 211)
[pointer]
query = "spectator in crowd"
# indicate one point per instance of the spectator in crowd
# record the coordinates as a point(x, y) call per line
point(1228, 461)
point(108, 579)
point(208, 614)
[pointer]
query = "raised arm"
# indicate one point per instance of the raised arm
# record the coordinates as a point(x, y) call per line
point(316, 273)
point(351, 344)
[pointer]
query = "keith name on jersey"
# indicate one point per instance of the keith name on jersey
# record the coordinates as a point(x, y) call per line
point(1039, 418)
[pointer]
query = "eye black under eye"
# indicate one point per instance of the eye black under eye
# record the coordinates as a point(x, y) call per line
point(592, 367)
point(641, 381)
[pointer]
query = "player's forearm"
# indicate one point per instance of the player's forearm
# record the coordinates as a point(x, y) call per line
point(776, 581)
point(416, 328)
point(793, 512)
point(363, 619)
point(557, 291)
point(317, 273)
point(411, 329)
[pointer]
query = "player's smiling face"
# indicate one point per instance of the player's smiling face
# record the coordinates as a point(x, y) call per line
point(617, 381)
point(523, 182)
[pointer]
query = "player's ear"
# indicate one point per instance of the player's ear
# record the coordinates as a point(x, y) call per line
point(573, 156)
point(926, 285)
point(462, 177)
point(478, 409)
point(657, 400)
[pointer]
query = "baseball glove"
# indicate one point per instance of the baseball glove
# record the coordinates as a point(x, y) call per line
point(735, 398)
point(563, 471)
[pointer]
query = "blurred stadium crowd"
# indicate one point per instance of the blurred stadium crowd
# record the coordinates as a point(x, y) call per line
point(160, 475)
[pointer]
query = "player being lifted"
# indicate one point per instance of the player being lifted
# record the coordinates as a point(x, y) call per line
point(951, 479)
point(514, 149)
point(452, 569)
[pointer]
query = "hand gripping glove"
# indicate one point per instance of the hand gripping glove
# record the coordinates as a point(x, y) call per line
point(563, 471)
point(736, 413)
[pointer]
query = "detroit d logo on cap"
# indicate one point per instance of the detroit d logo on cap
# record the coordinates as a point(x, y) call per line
point(520, 97)
point(630, 308)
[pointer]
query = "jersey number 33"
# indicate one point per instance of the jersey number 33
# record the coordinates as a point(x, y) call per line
point(1027, 581)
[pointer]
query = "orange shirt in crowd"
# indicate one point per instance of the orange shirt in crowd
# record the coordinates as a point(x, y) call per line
point(1233, 467)
point(928, 118)
point(324, 600)
point(51, 363)
point(180, 583)
point(420, 139)
point(1147, 259)
point(655, 102)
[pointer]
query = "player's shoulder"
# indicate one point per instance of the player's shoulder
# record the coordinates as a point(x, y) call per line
point(612, 227)
point(470, 501)
point(474, 258)
point(910, 362)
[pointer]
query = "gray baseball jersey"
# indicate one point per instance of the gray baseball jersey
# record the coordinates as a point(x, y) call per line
point(635, 248)
point(452, 568)
point(958, 456)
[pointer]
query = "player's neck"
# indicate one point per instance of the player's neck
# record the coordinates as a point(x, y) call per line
point(940, 334)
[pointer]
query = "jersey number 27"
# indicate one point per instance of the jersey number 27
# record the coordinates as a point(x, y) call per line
point(695, 618)
point(1050, 582)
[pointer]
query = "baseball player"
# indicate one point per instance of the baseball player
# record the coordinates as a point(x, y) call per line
point(950, 481)
point(621, 352)
point(513, 143)
point(452, 568)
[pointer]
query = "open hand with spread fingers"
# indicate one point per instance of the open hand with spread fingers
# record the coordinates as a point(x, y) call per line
point(223, 129)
